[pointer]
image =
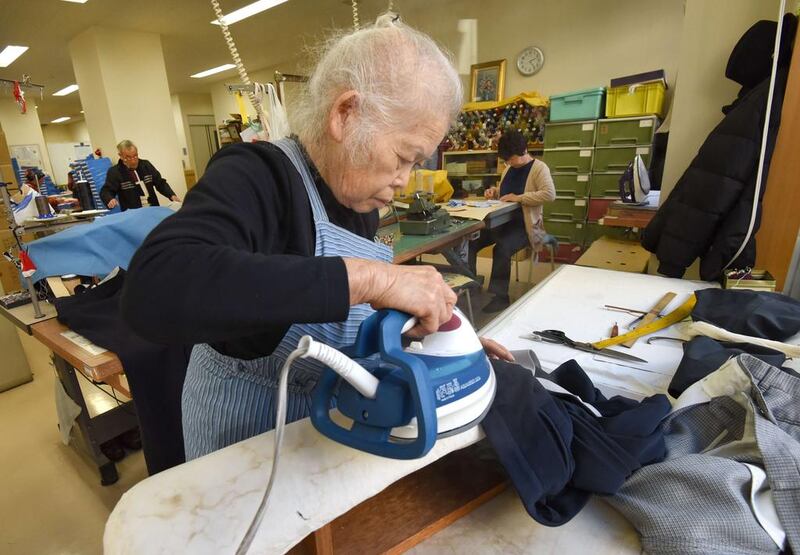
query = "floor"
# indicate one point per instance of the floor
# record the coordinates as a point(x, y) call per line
point(52, 501)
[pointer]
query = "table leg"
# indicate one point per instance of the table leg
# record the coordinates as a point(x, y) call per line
point(99, 429)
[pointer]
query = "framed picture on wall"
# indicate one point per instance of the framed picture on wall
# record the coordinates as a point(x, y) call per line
point(488, 82)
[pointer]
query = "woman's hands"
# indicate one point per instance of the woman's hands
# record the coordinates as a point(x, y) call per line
point(495, 350)
point(510, 197)
point(417, 290)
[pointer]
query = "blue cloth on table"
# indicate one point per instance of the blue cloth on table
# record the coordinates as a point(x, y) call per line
point(97, 248)
point(556, 452)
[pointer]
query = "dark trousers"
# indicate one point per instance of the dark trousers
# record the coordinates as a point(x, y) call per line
point(507, 240)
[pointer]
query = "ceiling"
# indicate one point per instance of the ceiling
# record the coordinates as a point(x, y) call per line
point(190, 42)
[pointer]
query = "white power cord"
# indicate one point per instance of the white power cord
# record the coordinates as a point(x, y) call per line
point(254, 99)
point(764, 135)
point(350, 370)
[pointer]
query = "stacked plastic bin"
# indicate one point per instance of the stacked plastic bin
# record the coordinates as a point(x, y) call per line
point(569, 151)
point(617, 142)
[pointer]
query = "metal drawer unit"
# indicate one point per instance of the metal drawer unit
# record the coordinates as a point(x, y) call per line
point(578, 134)
point(566, 210)
point(626, 131)
point(569, 160)
point(617, 159)
point(572, 185)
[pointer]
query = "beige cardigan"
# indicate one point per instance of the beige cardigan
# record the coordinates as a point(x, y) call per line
point(539, 189)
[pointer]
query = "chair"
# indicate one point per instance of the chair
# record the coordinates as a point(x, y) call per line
point(548, 241)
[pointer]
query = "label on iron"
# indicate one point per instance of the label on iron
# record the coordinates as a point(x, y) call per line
point(583, 178)
point(586, 153)
point(587, 127)
point(643, 150)
point(449, 389)
point(580, 202)
point(646, 123)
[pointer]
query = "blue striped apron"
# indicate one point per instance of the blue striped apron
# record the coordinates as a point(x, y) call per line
point(225, 399)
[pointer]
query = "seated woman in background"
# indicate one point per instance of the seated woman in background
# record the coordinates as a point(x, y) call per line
point(527, 181)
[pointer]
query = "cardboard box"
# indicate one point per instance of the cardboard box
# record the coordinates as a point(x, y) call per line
point(5, 153)
point(7, 175)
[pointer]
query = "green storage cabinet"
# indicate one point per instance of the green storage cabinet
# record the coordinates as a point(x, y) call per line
point(565, 232)
point(566, 209)
point(605, 185)
point(594, 231)
point(617, 159)
point(566, 135)
point(572, 185)
point(569, 160)
point(626, 131)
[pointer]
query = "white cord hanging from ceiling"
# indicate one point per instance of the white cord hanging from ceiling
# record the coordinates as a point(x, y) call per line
point(356, 21)
point(255, 99)
point(764, 135)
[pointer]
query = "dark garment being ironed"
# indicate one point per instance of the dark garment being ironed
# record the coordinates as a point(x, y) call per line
point(155, 372)
point(556, 451)
point(703, 355)
point(755, 313)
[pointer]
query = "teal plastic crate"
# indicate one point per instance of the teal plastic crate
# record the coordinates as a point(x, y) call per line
point(571, 185)
point(569, 160)
point(578, 105)
point(566, 209)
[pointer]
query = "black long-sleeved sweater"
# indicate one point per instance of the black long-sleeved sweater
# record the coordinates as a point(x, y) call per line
point(235, 267)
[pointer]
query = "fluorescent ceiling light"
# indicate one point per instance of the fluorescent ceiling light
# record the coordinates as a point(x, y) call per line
point(11, 53)
point(66, 90)
point(61, 119)
point(213, 70)
point(77, 1)
point(247, 11)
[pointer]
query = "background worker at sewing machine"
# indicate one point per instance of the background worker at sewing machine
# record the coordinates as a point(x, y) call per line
point(527, 181)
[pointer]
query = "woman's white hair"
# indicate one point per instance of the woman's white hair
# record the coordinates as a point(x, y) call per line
point(401, 75)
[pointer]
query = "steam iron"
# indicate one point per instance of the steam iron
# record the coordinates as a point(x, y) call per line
point(634, 184)
point(436, 387)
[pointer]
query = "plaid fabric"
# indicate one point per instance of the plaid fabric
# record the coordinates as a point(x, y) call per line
point(697, 499)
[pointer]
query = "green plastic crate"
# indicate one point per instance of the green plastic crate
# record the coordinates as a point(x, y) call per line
point(569, 160)
point(566, 209)
point(565, 135)
point(617, 159)
point(565, 232)
point(572, 185)
point(593, 232)
point(626, 131)
point(605, 185)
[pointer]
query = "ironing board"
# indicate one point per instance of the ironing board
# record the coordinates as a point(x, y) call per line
point(206, 505)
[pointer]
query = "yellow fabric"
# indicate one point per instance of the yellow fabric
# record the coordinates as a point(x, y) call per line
point(442, 190)
point(533, 98)
point(242, 108)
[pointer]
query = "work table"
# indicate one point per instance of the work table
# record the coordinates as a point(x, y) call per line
point(206, 505)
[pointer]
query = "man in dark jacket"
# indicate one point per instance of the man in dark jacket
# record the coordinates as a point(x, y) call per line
point(130, 177)
point(708, 213)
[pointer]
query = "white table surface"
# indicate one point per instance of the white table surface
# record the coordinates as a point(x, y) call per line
point(205, 506)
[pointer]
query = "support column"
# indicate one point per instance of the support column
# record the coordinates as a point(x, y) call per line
point(125, 95)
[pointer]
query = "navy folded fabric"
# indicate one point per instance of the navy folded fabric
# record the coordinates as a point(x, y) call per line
point(755, 313)
point(556, 452)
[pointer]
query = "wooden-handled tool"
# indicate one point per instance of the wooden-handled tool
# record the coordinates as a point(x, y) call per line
point(652, 315)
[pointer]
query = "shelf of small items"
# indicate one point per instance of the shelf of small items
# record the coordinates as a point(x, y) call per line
point(469, 152)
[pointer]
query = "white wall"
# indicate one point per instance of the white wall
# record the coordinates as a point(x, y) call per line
point(177, 117)
point(80, 132)
point(191, 105)
point(24, 129)
point(702, 87)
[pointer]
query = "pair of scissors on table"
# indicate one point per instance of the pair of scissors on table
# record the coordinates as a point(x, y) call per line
point(559, 337)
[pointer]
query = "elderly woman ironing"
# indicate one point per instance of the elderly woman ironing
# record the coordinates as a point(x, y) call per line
point(277, 239)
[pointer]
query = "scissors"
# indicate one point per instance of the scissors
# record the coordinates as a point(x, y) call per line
point(559, 337)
